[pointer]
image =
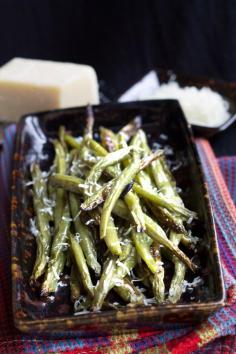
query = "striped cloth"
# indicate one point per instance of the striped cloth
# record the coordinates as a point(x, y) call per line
point(214, 335)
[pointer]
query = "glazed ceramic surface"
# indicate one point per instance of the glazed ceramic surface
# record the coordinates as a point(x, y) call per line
point(165, 126)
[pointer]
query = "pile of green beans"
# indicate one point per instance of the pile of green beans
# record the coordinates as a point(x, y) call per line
point(109, 213)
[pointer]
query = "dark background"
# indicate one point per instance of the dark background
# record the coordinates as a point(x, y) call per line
point(123, 40)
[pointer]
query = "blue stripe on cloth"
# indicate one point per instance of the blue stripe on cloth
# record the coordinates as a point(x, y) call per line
point(223, 251)
point(228, 168)
point(222, 319)
point(139, 345)
point(66, 344)
point(221, 215)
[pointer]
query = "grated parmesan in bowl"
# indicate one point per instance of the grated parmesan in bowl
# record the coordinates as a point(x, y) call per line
point(202, 107)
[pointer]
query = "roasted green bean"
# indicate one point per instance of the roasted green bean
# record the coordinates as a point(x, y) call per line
point(142, 244)
point(157, 279)
point(126, 176)
point(75, 287)
point(84, 234)
point(129, 293)
point(115, 213)
point(60, 159)
point(58, 253)
point(176, 286)
point(81, 264)
point(108, 160)
point(104, 284)
point(43, 216)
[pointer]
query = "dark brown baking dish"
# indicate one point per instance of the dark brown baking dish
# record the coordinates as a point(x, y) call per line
point(165, 124)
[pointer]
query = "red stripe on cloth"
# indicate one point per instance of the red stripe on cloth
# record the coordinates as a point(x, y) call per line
point(184, 345)
point(218, 176)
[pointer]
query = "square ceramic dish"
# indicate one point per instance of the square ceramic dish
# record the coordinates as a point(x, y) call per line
point(165, 124)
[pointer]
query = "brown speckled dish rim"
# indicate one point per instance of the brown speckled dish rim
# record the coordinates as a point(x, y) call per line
point(121, 315)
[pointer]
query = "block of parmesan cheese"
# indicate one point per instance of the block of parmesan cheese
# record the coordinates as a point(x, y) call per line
point(28, 85)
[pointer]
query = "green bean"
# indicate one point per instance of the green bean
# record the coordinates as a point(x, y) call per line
point(136, 144)
point(154, 197)
point(108, 139)
point(112, 274)
point(131, 128)
point(98, 197)
point(145, 148)
point(135, 141)
point(148, 160)
point(59, 205)
point(84, 151)
point(61, 135)
point(142, 244)
point(108, 160)
point(133, 203)
point(99, 151)
point(165, 182)
point(86, 240)
point(57, 254)
point(123, 144)
point(127, 265)
point(145, 181)
point(158, 235)
point(131, 200)
point(164, 202)
point(88, 131)
point(97, 148)
point(155, 232)
point(121, 210)
point(75, 289)
point(81, 265)
point(162, 176)
point(169, 188)
point(43, 237)
point(111, 238)
point(104, 283)
point(176, 286)
point(116, 188)
point(126, 176)
point(170, 220)
point(144, 143)
point(52, 191)
point(157, 279)
point(162, 214)
point(60, 158)
point(69, 183)
point(126, 246)
point(52, 275)
point(72, 142)
point(129, 293)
